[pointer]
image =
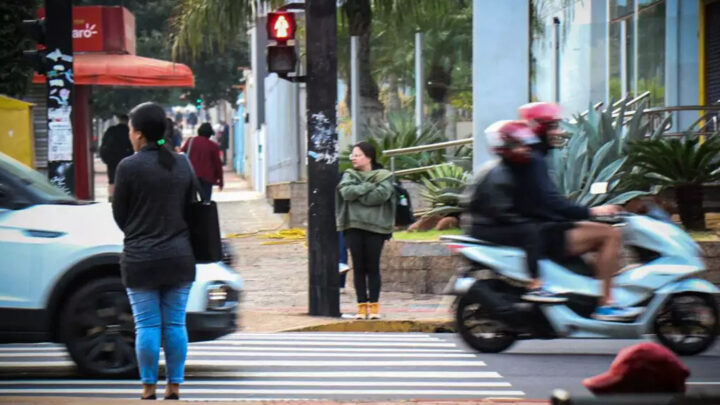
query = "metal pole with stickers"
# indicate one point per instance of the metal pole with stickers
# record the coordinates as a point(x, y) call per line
point(60, 87)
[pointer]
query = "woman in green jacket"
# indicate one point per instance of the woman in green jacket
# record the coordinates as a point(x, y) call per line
point(365, 213)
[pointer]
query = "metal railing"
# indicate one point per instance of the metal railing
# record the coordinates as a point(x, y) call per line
point(422, 148)
point(708, 122)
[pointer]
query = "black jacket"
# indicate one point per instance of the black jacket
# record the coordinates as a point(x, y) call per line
point(149, 207)
point(115, 145)
point(504, 194)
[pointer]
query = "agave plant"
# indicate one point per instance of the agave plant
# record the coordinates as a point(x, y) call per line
point(400, 132)
point(443, 186)
point(684, 164)
point(596, 152)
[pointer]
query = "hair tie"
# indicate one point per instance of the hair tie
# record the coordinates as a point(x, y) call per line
point(161, 142)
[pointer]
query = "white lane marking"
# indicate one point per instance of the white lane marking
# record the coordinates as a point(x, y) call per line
point(325, 349)
point(198, 353)
point(703, 383)
point(195, 347)
point(38, 384)
point(275, 363)
point(321, 343)
point(358, 374)
point(337, 363)
point(190, 391)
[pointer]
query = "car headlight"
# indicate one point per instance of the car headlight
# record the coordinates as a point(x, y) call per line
point(221, 297)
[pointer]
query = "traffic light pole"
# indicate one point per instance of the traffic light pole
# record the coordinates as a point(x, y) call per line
point(321, 23)
point(60, 92)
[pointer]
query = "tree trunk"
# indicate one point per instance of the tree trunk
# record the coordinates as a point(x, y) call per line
point(359, 16)
point(394, 103)
point(689, 200)
point(451, 122)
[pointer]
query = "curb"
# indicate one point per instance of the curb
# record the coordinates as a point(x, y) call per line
point(402, 326)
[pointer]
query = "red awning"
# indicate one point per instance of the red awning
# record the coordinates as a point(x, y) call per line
point(127, 70)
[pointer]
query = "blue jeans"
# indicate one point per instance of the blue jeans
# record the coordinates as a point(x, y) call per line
point(343, 257)
point(160, 318)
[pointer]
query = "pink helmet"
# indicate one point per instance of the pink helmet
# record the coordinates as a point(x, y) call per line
point(540, 111)
point(504, 136)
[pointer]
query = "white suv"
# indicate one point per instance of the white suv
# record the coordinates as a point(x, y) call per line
point(60, 277)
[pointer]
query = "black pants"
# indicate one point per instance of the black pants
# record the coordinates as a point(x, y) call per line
point(365, 248)
point(205, 189)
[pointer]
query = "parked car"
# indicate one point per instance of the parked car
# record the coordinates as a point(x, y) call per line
point(60, 277)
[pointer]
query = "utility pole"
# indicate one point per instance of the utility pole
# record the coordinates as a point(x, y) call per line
point(60, 87)
point(323, 154)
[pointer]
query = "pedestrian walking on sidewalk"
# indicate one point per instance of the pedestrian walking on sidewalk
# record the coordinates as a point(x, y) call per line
point(115, 147)
point(365, 212)
point(153, 188)
point(204, 155)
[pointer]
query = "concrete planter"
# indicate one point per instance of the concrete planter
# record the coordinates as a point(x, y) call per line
point(425, 267)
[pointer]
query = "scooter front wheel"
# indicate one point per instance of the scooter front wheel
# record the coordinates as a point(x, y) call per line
point(688, 323)
point(479, 330)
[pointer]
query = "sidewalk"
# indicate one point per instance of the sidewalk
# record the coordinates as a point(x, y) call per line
point(276, 272)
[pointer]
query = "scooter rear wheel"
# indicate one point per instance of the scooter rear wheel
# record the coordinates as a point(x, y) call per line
point(687, 324)
point(479, 330)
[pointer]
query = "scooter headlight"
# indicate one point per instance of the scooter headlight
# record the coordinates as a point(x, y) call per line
point(221, 297)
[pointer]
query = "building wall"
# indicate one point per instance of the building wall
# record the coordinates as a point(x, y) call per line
point(500, 67)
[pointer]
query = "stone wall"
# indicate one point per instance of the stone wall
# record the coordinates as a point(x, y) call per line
point(426, 267)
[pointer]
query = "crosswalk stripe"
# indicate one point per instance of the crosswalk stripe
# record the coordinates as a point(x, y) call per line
point(334, 335)
point(60, 350)
point(300, 383)
point(190, 391)
point(439, 343)
point(359, 374)
point(274, 363)
point(205, 353)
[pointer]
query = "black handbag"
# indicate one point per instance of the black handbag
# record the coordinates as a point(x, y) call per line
point(204, 225)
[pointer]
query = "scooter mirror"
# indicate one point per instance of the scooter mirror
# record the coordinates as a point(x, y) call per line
point(599, 188)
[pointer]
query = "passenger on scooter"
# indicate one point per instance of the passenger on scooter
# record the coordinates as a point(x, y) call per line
point(564, 226)
point(500, 211)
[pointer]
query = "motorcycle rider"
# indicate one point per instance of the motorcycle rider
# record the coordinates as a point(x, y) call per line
point(513, 202)
point(565, 222)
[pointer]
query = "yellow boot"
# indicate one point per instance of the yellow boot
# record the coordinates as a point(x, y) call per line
point(374, 310)
point(362, 312)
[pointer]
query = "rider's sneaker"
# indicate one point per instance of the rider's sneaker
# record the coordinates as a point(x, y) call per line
point(613, 313)
point(543, 296)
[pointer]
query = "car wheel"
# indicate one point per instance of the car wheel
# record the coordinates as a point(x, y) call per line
point(97, 327)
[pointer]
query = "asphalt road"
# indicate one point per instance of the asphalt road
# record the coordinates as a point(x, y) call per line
point(346, 366)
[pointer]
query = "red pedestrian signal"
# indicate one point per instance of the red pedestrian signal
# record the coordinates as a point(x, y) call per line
point(281, 26)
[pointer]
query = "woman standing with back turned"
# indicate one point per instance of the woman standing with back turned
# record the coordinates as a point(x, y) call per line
point(152, 188)
point(365, 212)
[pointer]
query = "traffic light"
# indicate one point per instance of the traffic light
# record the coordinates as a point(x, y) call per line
point(35, 29)
point(281, 57)
point(199, 103)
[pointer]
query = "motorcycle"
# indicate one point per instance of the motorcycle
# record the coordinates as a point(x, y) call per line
point(660, 284)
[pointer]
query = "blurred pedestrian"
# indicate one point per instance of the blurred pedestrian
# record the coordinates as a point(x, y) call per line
point(641, 369)
point(365, 212)
point(115, 147)
point(173, 137)
point(153, 188)
point(224, 140)
point(204, 155)
point(343, 266)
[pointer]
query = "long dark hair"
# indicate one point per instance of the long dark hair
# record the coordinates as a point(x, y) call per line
point(149, 119)
point(369, 150)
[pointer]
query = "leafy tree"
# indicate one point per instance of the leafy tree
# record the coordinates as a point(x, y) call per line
point(214, 74)
point(15, 73)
